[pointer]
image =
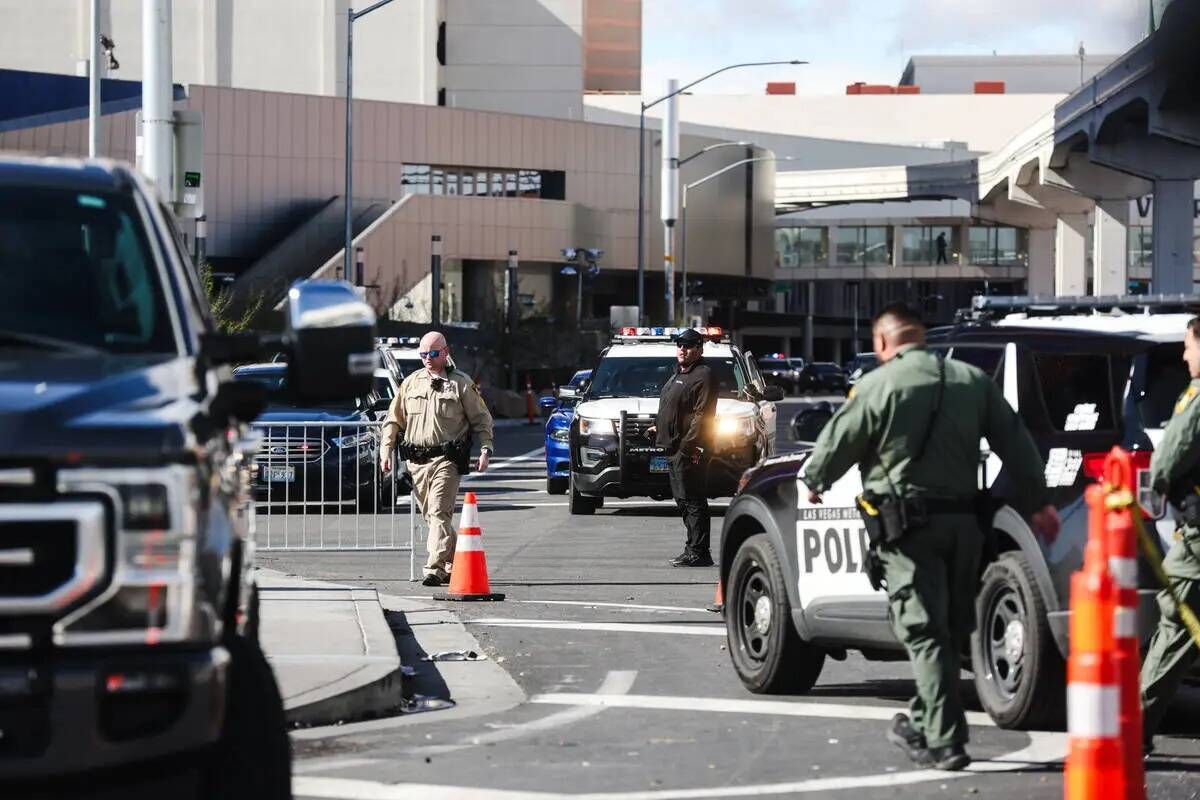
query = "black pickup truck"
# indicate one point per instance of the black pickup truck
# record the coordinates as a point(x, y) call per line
point(128, 611)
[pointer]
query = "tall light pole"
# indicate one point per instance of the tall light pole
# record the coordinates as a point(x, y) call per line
point(94, 74)
point(641, 216)
point(157, 112)
point(351, 16)
point(683, 205)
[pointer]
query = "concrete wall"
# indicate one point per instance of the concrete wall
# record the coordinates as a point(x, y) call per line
point(983, 123)
point(519, 56)
point(1021, 74)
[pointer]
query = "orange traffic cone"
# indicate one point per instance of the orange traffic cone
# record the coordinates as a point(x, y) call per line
point(1121, 546)
point(1095, 768)
point(468, 577)
point(718, 604)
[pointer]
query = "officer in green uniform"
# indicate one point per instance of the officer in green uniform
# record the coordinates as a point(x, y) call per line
point(1175, 472)
point(913, 426)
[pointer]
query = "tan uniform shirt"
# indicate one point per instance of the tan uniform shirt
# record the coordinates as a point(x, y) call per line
point(428, 417)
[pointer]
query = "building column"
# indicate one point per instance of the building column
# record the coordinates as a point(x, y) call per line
point(1041, 261)
point(808, 322)
point(1070, 255)
point(897, 246)
point(831, 256)
point(1110, 248)
point(1174, 229)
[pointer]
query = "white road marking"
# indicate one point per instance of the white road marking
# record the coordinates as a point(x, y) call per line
point(615, 684)
point(538, 452)
point(587, 604)
point(617, 627)
point(782, 708)
point(1043, 748)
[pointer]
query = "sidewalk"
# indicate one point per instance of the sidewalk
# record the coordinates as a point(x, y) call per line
point(332, 651)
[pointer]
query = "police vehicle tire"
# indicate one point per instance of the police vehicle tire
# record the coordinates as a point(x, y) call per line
point(578, 504)
point(557, 485)
point(777, 660)
point(1011, 612)
point(252, 759)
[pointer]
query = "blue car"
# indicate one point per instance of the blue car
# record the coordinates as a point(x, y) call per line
point(558, 426)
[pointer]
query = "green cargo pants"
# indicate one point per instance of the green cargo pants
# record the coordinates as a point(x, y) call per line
point(1171, 651)
point(932, 578)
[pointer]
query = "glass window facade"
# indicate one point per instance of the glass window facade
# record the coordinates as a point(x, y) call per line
point(998, 246)
point(929, 244)
point(801, 247)
point(483, 182)
point(867, 246)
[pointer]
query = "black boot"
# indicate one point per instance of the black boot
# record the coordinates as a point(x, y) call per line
point(951, 758)
point(902, 734)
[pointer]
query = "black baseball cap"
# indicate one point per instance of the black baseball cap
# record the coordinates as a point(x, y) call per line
point(689, 337)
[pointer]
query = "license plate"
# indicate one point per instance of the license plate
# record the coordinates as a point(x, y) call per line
point(659, 464)
point(279, 474)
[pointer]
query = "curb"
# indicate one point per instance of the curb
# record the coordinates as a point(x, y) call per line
point(370, 683)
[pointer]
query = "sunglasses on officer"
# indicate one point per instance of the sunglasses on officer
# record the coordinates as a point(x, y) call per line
point(692, 346)
point(430, 353)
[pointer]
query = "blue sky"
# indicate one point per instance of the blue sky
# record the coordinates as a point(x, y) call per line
point(867, 40)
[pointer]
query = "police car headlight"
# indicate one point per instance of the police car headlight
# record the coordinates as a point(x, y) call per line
point(560, 435)
point(595, 426)
point(735, 427)
point(354, 440)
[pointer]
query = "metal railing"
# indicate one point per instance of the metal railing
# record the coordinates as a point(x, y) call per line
point(318, 486)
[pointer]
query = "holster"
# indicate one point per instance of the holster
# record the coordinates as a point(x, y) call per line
point(459, 452)
point(888, 519)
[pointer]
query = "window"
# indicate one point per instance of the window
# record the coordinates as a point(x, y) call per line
point(1077, 390)
point(1141, 246)
point(987, 359)
point(864, 246)
point(998, 246)
point(415, 179)
point(78, 269)
point(801, 247)
point(929, 244)
point(645, 376)
point(483, 182)
point(1166, 378)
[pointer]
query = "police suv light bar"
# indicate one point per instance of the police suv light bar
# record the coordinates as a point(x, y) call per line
point(665, 334)
point(398, 341)
point(1053, 304)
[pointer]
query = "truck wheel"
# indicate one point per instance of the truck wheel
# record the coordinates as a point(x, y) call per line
point(253, 758)
point(1019, 674)
point(767, 653)
point(556, 485)
point(579, 505)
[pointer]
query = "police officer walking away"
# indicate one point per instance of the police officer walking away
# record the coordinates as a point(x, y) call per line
point(913, 427)
point(1175, 472)
point(437, 410)
point(687, 409)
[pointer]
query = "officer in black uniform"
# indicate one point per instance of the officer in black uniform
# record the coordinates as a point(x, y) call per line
point(687, 410)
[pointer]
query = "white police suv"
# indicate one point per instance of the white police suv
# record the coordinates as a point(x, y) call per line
point(611, 455)
point(1085, 374)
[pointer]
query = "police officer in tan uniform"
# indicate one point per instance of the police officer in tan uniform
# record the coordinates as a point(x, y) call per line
point(437, 410)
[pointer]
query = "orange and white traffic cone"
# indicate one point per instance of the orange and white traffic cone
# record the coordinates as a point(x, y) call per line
point(468, 577)
point(717, 606)
point(1121, 546)
point(1095, 766)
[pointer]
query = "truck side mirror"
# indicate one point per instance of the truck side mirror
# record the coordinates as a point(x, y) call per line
point(773, 394)
point(331, 334)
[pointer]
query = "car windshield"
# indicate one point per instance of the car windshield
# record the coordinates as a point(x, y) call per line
point(1166, 378)
point(79, 274)
point(644, 377)
point(279, 394)
point(383, 387)
point(826, 369)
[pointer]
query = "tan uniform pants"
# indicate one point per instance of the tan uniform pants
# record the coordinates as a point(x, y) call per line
point(435, 487)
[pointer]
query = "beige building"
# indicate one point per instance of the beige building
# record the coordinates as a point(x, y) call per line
point(517, 56)
point(485, 182)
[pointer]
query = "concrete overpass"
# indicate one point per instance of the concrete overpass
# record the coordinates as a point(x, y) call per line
point(1133, 130)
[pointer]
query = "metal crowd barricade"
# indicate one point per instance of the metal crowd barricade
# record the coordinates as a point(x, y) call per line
point(318, 486)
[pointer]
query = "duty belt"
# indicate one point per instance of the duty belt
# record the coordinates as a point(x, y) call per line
point(423, 455)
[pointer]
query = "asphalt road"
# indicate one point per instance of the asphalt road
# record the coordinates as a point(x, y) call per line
point(628, 690)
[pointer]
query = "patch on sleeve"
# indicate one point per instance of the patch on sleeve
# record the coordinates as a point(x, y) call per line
point(850, 394)
point(1186, 398)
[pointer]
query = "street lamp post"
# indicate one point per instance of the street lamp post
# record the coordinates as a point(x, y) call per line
point(351, 16)
point(641, 216)
point(683, 206)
